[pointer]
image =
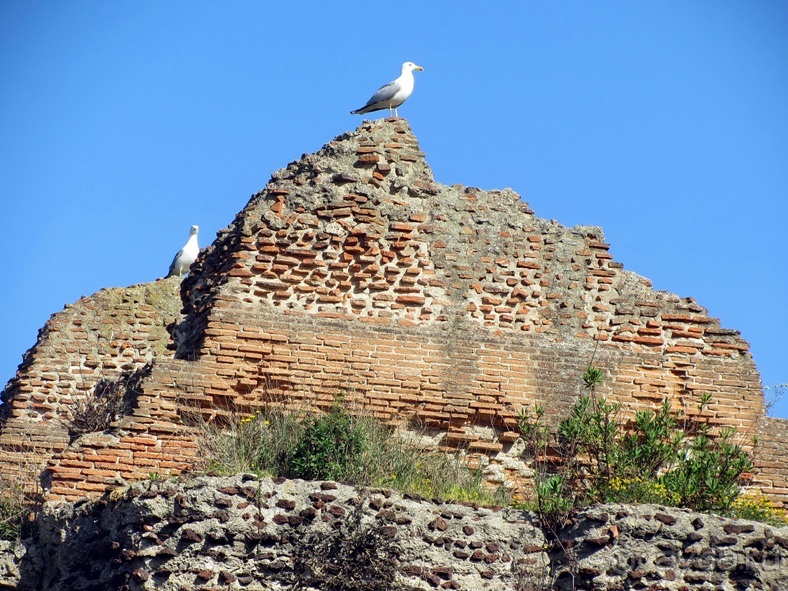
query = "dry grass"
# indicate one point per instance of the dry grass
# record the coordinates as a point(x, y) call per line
point(20, 497)
point(265, 444)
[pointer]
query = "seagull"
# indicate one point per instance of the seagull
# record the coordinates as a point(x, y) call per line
point(186, 256)
point(393, 94)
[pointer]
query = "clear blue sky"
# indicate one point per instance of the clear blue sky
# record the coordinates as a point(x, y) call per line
point(666, 123)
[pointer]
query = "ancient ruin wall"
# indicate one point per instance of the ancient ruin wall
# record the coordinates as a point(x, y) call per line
point(353, 272)
point(771, 459)
point(102, 338)
point(244, 533)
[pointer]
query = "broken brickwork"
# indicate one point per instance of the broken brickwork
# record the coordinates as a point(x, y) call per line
point(354, 273)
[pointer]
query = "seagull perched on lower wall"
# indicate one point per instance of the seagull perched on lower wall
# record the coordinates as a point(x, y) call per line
point(186, 256)
point(393, 94)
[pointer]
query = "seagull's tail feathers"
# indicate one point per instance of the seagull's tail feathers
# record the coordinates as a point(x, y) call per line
point(364, 110)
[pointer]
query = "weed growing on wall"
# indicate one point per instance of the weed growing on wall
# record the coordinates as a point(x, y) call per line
point(331, 447)
point(661, 458)
point(262, 443)
point(13, 507)
point(352, 448)
point(19, 506)
point(107, 402)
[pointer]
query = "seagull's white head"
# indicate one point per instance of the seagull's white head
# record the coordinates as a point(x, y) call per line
point(410, 66)
point(193, 230)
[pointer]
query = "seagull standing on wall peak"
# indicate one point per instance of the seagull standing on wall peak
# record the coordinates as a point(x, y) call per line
point(186, 256)
point(393, 94)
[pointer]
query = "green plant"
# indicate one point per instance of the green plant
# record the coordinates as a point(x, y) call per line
point(660, 457)
point(400, 461)
point(555, 499)
point(653, 443)
point(12, 509)
point(592, 377)
point(535, 432)
point(639, 490)
point(705, 475)
point(588, 438)
point(331, 447)
point(262, 443)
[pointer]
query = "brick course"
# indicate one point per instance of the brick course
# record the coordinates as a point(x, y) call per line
point(354, 272)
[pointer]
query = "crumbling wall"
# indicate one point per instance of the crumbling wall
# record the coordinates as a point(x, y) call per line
point(104, 337)
point(354, 273)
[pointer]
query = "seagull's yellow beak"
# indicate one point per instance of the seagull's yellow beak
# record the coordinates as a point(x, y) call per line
point(420, 68)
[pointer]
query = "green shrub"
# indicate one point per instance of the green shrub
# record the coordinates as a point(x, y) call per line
point(11, 517)
point(705, 475)
point(331, 447)
point(553, 496)
point(535, 433)
point(592, 377)
point(652, 444)
point(588, 438)
point(660, 458)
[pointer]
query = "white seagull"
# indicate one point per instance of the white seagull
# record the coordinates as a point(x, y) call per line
point(186, 256)
point(393, 94)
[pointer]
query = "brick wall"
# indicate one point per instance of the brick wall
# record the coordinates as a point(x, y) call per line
point(354, 272)
point(106, 336)
point(771, 459)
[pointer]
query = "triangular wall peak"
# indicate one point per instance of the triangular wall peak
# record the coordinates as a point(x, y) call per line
point(355, 273)
point(358, 238)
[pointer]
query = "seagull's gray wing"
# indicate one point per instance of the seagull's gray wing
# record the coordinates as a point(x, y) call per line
point(175, 264)
point(379, 99)
point(384, 93)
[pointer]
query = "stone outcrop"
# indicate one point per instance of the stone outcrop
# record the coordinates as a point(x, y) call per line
point(247, 533)
point(653, 547)
point(354, 272)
